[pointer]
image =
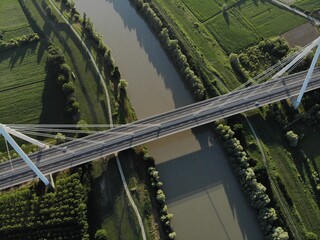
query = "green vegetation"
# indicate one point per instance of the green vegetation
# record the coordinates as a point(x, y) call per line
point(16, 25)
point(25, 82)
point(27, 213)
point(230, 26)
point(203, 9)
point(109, 207)
point(88, 90)
point(294, 171)
point(309, 6)
point(206, 57)
point(255, 190)
point(249, 23)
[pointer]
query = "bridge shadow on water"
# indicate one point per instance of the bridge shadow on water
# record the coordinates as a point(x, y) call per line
point(204, 195)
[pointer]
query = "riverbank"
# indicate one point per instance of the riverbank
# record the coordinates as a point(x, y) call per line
point(130, 46)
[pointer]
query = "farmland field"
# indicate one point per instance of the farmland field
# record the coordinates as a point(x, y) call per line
point(227, 28)
point(28, 94)
point(249, 22)
point(310, 6)
point(15, 25)
point(88, 90)
point(266, 18)
point(203, 9)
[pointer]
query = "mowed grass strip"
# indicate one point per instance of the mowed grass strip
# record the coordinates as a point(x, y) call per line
point(269, 19)
point(28, 94)
point(232, 31)
point(13, 22)
point(310, 6)
point(88, 90)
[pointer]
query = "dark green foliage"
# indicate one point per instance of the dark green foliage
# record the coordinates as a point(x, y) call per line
point(311, 236)
point(57, 215)
point(255, 191)
point(173, 49)
point(68, 88)
point(101, 234)
point(19, 41)
point(56, 59)
point(262, 56)
point(165, 216)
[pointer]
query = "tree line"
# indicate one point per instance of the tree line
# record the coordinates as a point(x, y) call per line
point(173, 49)
point(156, 186)
point(255, 190)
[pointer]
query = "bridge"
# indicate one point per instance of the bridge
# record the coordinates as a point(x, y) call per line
point(111, 141)
point(255, 93)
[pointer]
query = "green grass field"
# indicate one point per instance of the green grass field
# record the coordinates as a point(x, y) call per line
point(88, 90)
point(203, 9)
point(228, 27)
point(28, 94)
point(269, 19)
point(200, 43)
point(13, 22)
point(311, 6)
point(249, 22)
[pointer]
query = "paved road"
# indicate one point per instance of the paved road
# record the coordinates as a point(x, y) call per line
point(107, 142)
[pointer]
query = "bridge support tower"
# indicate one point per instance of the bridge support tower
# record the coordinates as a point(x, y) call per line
point(6, 131)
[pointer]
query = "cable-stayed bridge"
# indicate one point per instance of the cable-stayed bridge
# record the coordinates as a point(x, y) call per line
point(122, 137)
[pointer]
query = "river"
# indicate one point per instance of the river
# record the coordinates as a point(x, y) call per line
point(202, 192)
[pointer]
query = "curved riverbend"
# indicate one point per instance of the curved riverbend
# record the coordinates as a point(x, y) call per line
point(202, 192)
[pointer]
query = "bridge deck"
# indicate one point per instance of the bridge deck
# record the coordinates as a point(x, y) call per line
point(118, 139)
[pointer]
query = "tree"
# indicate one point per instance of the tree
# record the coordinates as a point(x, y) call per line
point(311, 236)
point(292, 138)
point(60, 138)
point(160, 196)
point(101, 234)
point(224, 8)
point(278, 234)
point(68, 88)
point(123, 84)
point(65, 70)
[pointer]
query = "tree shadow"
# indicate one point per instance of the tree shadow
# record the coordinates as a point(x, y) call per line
point(53, 101)
point(226, 17)
point(56, 29)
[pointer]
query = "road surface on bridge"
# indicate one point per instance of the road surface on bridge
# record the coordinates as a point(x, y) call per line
point(126, 136)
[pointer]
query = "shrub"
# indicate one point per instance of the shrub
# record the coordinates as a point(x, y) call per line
point(68, 88)
point(292, 138)
point(101, 234)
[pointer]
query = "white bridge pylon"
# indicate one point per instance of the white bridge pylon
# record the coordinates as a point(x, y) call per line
point(6, 131)
point(315, 43)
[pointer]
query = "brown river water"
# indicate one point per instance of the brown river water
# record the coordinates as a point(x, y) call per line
point(202, 192)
